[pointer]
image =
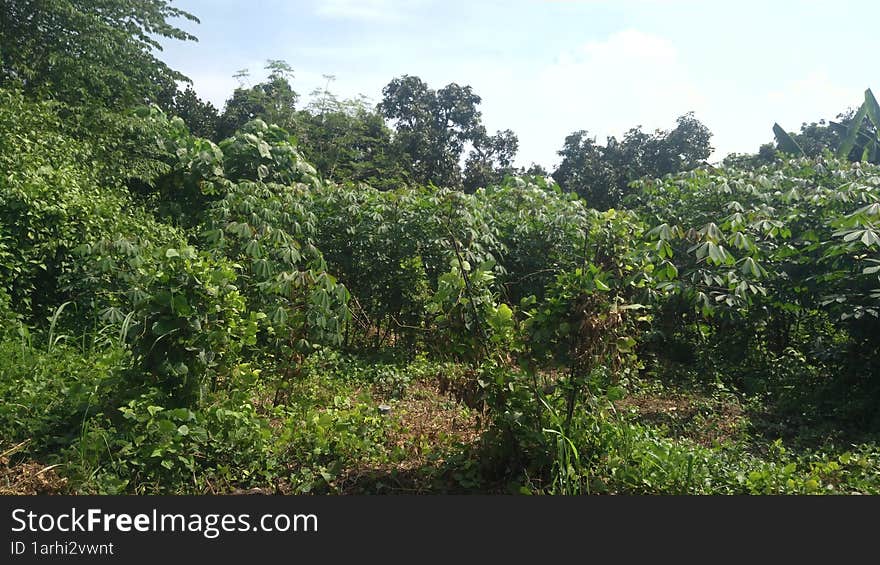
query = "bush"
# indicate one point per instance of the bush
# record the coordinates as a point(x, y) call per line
point(148, 448)
point(48, 393)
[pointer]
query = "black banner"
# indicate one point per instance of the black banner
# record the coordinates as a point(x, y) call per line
point(403, 529)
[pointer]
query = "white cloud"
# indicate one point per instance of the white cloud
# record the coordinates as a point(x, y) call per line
point(743, 119)
point(213, 87)
point(635, 78)
point(811, 98)
point(630, 78)
point(367, 10)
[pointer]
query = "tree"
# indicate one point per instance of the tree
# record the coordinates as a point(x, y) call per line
point(534, 170)
point(432, 127)
point(200, 117)
point(585, 170)
point(684, 148)
point(490, 160)
point(273, 101)
point(85, 52)
point(664, 152)
point(602, 174)
point(766, 154)
point(349, 141)
point(815, 137)
point(861, 136)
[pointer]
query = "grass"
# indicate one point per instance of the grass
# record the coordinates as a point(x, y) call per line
point(330, 436)
point(26, 477)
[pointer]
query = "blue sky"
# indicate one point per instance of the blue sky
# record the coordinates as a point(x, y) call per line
point(545, 68)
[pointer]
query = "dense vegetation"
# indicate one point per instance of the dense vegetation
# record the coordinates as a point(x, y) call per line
point(339, 298)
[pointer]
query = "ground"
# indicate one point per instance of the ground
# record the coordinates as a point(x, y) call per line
point(27, 477)
point(429, 426)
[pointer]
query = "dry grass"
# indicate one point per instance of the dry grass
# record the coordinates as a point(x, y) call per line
point(706, 420)
point(430, 426)
point(27, 477)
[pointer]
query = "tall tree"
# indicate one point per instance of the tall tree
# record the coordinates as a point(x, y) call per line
point(585, 170)
point(490, 160)
point(199, 116)
point(346, 140)
point(273, 101)
point(432, 127)
point(817, 137)
point(90, 52)
point(602, 174)
point(685, 147)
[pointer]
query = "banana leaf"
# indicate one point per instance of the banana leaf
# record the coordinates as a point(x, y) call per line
point(785, 142)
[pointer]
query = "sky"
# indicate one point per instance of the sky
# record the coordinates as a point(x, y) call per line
point(547, 68)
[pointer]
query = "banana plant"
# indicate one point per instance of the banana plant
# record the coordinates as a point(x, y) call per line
point(859, 136)
point(855, 136)
point(786, 142)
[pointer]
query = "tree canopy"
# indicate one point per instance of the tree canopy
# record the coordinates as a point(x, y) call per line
point(273, 101)
point(601, 174)
point(90, 52)
point(434, 127)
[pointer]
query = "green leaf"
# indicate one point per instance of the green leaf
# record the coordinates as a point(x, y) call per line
point(264, 149)
point(852, 133)
point(870, 238)
point(504, 312)
point(615, 393)
point(872, 109)
point(785, 142)
point(853, 235)
point(180, 306)
point(749, 267)
point(625, 344)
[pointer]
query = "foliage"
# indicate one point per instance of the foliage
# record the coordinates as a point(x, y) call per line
point(541, 231)
point(149, 448)
point(200, 117)
point(861, 135)
point(788, 263)
point(189, 172)
point(602, 175)
point(786, 143)
point(466, 315)
point(490, 160)
point(87, 53)
point(272, 101)
point(854, 136)
point(320, 444)
point(314, 299)
point(390, 248)
point(50, 385)
point(432, 128)
point(52, 204)
point(349, 141)
point(185, 317)
point(265, 153)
